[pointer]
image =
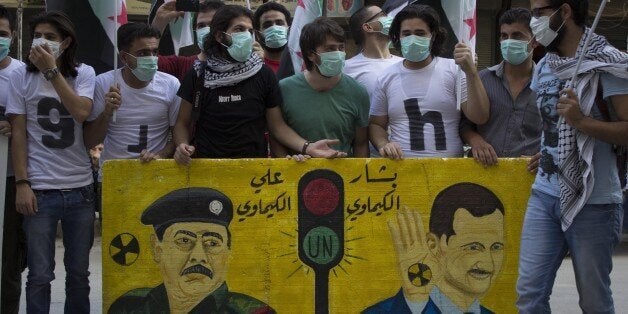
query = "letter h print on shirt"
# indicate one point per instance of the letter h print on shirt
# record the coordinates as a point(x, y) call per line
point(417, 122)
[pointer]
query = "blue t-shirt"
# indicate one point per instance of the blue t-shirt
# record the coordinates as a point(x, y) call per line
point(606, 188)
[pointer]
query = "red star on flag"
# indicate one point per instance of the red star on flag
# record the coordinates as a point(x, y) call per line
point(471, 22)
point(122, 18)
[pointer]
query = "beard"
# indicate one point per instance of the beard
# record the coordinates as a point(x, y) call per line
point(272, 50)
point(553, 46)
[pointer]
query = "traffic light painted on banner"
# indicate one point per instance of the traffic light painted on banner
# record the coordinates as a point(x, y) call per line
point(321, 228)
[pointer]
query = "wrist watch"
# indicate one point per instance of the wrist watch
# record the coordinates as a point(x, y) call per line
point(51, 73)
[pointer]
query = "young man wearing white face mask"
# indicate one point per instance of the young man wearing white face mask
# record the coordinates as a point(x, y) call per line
point(240, 99)
point(416, 98)
point(369, 27)
point(13, 244)
point(48, 102)
point(145, 99)
point(322, 102)
point(575, 204)
point(514, 126)
point(166, 13)
point(272, 21)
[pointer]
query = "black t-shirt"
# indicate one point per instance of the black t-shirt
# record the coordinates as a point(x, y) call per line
point(232, 119)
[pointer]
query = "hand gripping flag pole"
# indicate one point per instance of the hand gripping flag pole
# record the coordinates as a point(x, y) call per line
point(584, 49)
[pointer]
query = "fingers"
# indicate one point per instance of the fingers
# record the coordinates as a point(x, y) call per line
point(183, 153)
point(391, 150)
point(5, 128)
point(403, 230)
point(533, 163)
point(146, 156)
point(298, 157)
point(485, 156)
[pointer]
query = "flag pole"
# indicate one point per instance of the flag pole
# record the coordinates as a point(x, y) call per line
point(587, 41)
point(459, 74)
point(20, 16)
point(248, 4)
point(115, 52)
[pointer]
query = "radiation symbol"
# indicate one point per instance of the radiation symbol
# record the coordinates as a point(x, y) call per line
point(419, 274)
point(124, 249)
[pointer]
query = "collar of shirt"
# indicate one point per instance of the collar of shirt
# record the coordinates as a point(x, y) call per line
point(447, 306)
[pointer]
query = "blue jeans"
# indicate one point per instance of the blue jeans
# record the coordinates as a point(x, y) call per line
point(75, 209)
point(590, 240)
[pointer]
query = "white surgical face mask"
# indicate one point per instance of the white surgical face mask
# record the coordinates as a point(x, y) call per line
point(542, 31)
point(55, 47)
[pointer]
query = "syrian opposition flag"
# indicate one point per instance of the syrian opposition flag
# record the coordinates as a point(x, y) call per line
point(95, 26)
point(306, 12)
point(181, 31)
point(178, 33)
point(462, 17)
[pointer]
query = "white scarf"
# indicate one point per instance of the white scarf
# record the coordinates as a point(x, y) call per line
point(575, 149)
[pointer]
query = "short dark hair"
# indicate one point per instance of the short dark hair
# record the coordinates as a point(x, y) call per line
point(355, 23)
point(129, 32)
point(315, 34)
point(476, 199)
point(220, 25)
point(516, 15)
point(206, 6)
point(270, 6)
point(428, 15)
point(62, 23)
point(580, 9)
point(6, 14)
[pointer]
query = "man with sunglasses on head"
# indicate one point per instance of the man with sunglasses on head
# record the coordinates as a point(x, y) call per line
point(514, 125)
point(575, 205)
point(369, 27)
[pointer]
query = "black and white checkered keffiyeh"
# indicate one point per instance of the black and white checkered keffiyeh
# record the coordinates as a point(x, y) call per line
point(575, 149)
point(220, 72)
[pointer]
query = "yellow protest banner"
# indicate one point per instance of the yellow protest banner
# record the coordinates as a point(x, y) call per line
point(343, 236)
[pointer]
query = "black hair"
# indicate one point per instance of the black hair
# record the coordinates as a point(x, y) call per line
point(129, 32)
point(516, 15)
point(6, 14)
point(206, 6)
point(315, 34)
point(64, 26)
point(356, 21)
point(476, 199)
point(220, 24)
point(580, 9)
point(428, 15)
point(270, 6)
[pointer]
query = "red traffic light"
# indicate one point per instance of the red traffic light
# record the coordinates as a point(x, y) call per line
point(320, 196)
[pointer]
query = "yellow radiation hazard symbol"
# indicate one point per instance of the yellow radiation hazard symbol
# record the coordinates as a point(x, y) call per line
point(419, 274)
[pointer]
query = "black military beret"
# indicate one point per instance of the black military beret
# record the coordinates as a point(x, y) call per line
point(189, 205)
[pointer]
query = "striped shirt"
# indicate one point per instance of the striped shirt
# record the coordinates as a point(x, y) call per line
point(514, 126)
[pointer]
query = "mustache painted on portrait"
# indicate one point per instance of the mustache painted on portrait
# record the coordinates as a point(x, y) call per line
point(198, 269)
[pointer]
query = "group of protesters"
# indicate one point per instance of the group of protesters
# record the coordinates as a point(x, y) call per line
point(227, 102)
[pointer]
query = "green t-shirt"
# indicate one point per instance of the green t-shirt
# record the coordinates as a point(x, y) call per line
point(334, 114)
